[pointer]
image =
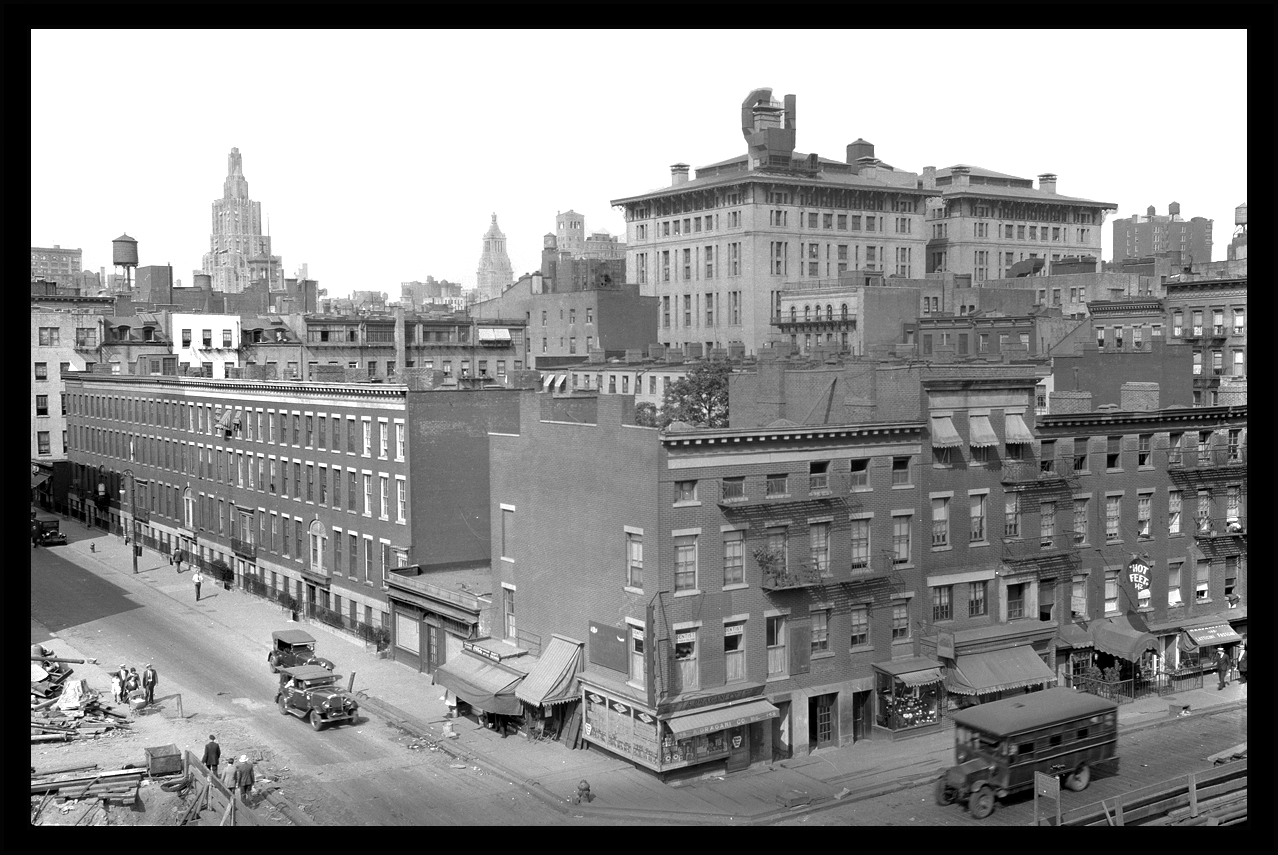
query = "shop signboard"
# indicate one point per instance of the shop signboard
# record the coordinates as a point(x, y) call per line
point(670, 707)
point(731, 723)
point(945, 645)
point(480, 651)
point(622, 729)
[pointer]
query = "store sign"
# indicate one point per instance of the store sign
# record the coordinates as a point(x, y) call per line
point(621, 708)
point(594, 699)
point(1138, 575)
point(480, 651)
point(670, 707)
point(734, 629)
point(1078, 605)
point(945, 645)
point(685, 637)
point(645, 718)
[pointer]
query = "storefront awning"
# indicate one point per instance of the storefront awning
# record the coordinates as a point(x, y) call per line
point(921, 678)
point(1073, 635)
point(709, 721)
point(1211, 636)
point(997, 671)
point(943, 433)
point(982, 432)
point(1125, 637)
point(552, 680)
point(1018, 433)
point(37, 480)
point(484, 685)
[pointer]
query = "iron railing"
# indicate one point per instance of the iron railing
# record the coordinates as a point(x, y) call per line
point(1146, 685)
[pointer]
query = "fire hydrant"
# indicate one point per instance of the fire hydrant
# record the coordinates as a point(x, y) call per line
point(583, 793)
point(93, 547)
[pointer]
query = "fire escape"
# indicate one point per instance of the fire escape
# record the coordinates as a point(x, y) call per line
point(1213, 469)
point(1053, 553)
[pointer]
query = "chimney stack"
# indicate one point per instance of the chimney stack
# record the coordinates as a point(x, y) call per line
point(929, 178)
point(1138, 397)
point(960, 175)
point(678, 174)
point(1047, 182)
point(1070, 402)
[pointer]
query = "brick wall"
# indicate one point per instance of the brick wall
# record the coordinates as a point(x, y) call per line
point(1141, 397)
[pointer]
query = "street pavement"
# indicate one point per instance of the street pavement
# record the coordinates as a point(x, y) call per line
point(550, 771)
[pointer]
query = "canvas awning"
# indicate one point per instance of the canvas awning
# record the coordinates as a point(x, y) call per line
point(483, 684)
point(546, 381)
point(236, 419)
point(709, 721)
point(943, 433)
point(224, 423)
point(1018, 433)
point(982, 432)
point(494, 335)
point(920, 678)
point(1212, 636)
point(1073, 635)
point(551, 680)
point(997, 671)
point(37, 480)
point(1125, 637)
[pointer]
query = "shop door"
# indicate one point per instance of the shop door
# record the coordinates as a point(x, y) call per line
point(821, 730)
point(860, 715)
point(310, 594)
point(738, 749)
point(781, 745)
point(432, 648)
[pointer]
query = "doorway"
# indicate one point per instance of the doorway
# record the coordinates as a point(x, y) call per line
point(432, 648)
point(822, 729)
point(738, 749)
point(781, 746)
point(860, 715)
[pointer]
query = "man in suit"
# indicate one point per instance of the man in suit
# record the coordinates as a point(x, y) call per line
point(212, 754)
point(149, 679)
point(1223, 665)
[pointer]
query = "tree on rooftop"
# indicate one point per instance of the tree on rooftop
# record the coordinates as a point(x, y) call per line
point(700, 398)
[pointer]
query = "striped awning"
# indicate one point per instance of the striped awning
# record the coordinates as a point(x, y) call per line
point(943, 433)
point(998, 671)
point(1018, 433)
point(920, 678)
point(982, 432)
point(552, 679)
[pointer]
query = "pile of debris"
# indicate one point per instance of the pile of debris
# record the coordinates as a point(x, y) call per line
point(76, 711)
point(83, 782)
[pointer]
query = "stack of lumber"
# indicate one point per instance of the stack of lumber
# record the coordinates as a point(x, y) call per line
point(49, 724)
point(121, 786)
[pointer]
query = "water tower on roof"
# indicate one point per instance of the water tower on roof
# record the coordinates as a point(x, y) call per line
point(124, 254)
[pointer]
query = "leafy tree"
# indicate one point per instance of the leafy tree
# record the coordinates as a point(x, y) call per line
point(700, 398)
point(646, 414)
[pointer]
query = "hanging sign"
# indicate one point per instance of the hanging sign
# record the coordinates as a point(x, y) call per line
point(945, 645)
point(1138, 574)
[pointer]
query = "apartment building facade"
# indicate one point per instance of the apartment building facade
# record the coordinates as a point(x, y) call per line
point(1210, 315)
point(55, 264)
point(1185, 241)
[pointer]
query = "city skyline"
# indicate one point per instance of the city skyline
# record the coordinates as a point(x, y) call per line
point(369, 189)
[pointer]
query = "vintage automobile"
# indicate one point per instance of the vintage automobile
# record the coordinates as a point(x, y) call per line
point(292, 647)
point(1000, 745)
point(49, 529)
point(313, 693)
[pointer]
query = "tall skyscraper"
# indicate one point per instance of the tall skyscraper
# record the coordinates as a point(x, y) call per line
point(239, 253)
point(495, 273)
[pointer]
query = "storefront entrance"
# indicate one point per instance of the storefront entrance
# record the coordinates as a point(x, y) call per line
point(782, 749)
point(433, 648)
point(860, 715)
point(822, 721)
point(738, 749)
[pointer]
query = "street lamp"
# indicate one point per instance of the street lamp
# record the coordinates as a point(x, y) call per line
point(133, 520)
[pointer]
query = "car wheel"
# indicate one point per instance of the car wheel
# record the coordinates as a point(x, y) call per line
point(283, 706)
point(273, 660)
point(945, 794)
point(981, 804)
point(317, 723)
point(1079, 778)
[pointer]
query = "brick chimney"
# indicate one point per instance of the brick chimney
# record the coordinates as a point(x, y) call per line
point(1047, 182)
point(928, 181)
point(1138, 397)
point(678, 174)
point(656, 351)
point(961, 175)
point(1063, 403)
point(400, 349)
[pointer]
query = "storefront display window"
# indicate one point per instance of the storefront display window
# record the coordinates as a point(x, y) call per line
point(902, 706)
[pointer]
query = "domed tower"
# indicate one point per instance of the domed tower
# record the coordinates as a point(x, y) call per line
point(495, 273)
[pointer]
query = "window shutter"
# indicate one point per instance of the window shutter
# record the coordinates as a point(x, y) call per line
point(800, 642)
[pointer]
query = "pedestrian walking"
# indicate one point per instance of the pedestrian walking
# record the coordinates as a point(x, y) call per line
point(1223, 664)
point(123, 676)
point(243, 778)
point(177, 559)
point(212, 755)
point(35, 534)
point(1242, 666)
point(197, 579)
point(149, 679)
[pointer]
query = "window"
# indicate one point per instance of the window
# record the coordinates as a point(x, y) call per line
point(1174, 441)
point(900, 471)
point(733, 489)
point(634, 560)
point(42, 371)
point(1113, 453)
point(318, 545)
point(820, 630)
point(367, 434)
point(860, 544)
point(733, 558)
point(734, 651)
point(941, 455)
point(1016, 601)
point(778, 546)
point(978, 517)
point(860, 473)
point(1144, 441)
point(1046, 524)
point(685, 491)
point(1111, 591)
point(900, 621)
point(1173, 583)
point(384, 494)
point(685, 562)
point(1202, 579)
point(508, 611)
point(636, 655)
point(819, 538)
point(1012, 515)
point(941, 606)
point(42, 442)
point(1080, 521)
point(1204, 447)
point(1080, 455)
point(368, 494)
point(776, 485)
point(778, 664)
point(42, 405)
point(1113, 506)
point(940, 522)
point(1143, 502)
point(1239, 324)
point(976, 598)
point(901, 539)
point(1173, 511)
point(401, 500)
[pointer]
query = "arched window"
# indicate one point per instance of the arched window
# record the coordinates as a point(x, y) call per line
point(188, 508)
point(829, 312)
point(843, 311)
point(794, 314)
point(818, 312)
point(318, 543)
point(807, 313)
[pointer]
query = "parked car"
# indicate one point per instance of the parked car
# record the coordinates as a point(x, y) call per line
point(293, 647)
point(313, 693)
point(49, 528)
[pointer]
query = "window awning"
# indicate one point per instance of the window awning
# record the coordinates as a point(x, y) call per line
point(997, 671)
point(484, 685)
point(37, 480)
point(709, 721)
point(551, 680)
point(982, 432)
point(1018, 433)
point(1211, 636)
point(1125, 636)
point(225, 422)
point(546, 381)
point(236, 420)
point(921, 678)
point(943, 433)
point(1073, 635)
point(563, 383)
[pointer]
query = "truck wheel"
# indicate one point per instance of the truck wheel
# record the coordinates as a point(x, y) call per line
point(283, 706)
point(317, 723)
point(945, 794)
point(981, 804)
point(272, 660)
point(1079, 778)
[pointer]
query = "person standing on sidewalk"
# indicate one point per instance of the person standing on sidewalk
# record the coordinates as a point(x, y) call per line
point(212, 755)
point(1242, 664)
point(149, 679)
point(177, 559)
point(197, 579)
point(1223, 664)
point(243, 778)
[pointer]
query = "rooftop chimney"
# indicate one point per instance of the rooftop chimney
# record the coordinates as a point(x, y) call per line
point(1047, 182)
point(961, 175)
point(678, 174)
point(929, 178)
point(1138, 397)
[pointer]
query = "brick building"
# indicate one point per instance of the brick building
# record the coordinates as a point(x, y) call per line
point(313, 492)
point(1184, 241)
point(1209, 315)
point(55, 264)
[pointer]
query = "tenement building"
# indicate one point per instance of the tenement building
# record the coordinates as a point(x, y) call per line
point(1210, 315)
point(1184, 241)
point(310, 494)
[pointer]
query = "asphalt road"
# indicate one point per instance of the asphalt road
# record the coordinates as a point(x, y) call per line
point(359, 774)
point(1145, 757)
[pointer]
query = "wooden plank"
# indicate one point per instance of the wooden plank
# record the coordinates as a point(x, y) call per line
point(65, 769)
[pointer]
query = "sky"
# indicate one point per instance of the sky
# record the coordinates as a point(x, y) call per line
point(380, 156)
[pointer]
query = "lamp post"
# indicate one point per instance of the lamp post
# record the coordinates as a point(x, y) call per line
point(133, 520)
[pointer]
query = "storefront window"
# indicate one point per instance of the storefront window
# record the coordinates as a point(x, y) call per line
point(901, 706)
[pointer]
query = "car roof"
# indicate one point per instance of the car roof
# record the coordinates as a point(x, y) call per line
point(293, 636)
point(309, 672)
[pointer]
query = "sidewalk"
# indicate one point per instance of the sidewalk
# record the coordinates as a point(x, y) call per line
point(550, 771)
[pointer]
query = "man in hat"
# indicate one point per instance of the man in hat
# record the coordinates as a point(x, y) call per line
point(212, 755)
point(123, 675)
point(243, 778)
point(149, 679)
point(1223, 666)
